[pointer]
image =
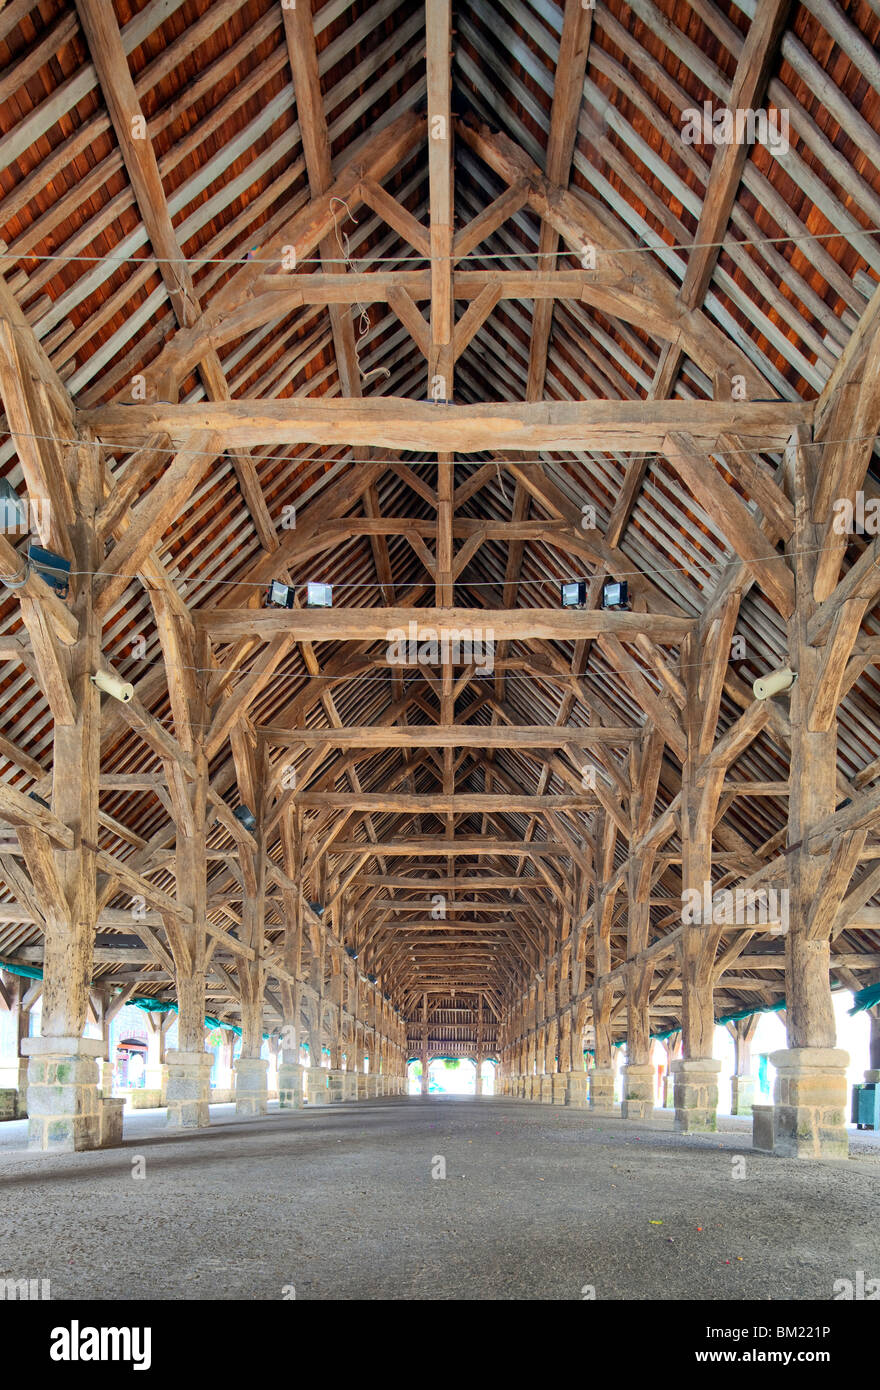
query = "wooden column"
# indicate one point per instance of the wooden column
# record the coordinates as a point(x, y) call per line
point(67, 1114)
point(810, 1094)
point(696, 1073)
point(424, 1044)
point(602, 1073)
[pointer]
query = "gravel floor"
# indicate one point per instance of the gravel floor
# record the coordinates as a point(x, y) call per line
point(538, 1202)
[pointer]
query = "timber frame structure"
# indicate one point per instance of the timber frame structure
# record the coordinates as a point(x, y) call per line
point(436, 304)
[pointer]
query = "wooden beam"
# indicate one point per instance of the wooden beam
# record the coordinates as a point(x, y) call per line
point(396, 423)
point(111, 63)
point(746, 94)
point(737, 523)
point(452, 736)
point(457, 803)
point(449, 629)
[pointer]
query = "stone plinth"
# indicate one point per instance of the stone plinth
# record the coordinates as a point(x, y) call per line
point(742, 1095)
point(349, 1085)
point(363, 1089)
point(153, 1093)
point(8, 1104)
point(144, 1099)
point(668, 1091)
point(63, 1102)
point(290, 1086)
point(546, 1089)
point(638, 1091)
point(188, 1089)
point(696, 1094)
point(372, 1085)
point(602, 1090)
point(762, 1128)
point(111, 1121)
point(105, 1083)
point(809, 1098)
point(576, 1089)
point(317, 1088)
point(559, 1087)
point(251, 1086)
point(872, 1075)
point(336, 1085)
point(156, 1078)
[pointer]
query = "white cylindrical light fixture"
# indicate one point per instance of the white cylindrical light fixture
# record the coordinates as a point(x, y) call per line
point(112, 685)
point(774, 683)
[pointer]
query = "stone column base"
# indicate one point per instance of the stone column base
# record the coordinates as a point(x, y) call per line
point(576, 1089)
point(602, 1090)
point(290, 1086)
point(63, 1102)
point(809, 1119)
point(762, 1128)
point(372, 1086)
point(873, 1074)
point(668, 1091)
point(638, 1091)
point(188, 1090)
point(156, 1079)
point(696, 1094)
point(105, 1082)
point(251, 1086)
point(13, 1089)
point(362, 1089)
point(318, 1090)
point(545, 1089)
point(559, 1087)
point(336, 1085)
point(349, 1085)
point(742, 1095)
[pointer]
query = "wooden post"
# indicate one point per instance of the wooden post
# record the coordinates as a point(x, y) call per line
point(290, 1071)
point(424, 1044)
point(602, 1072)
point(64, 1109)
point(696, 1073)
point(742, 1083)
point(810, 1092)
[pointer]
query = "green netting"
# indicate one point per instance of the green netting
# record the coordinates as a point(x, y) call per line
point(865, 999)
point(162, 1006)
point(747, 1013)
point(27, 972)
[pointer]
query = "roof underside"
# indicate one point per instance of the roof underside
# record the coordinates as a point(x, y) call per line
point(796, 273)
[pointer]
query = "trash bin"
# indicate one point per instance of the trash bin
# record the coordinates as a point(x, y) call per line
point(866, 1105)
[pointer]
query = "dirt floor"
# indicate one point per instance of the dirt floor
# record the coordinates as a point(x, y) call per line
point(347, 1202)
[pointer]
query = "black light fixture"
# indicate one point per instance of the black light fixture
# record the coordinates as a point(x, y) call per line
point(319, 595)
point(372, 979)
point(39, 800)
point(317, 908)
point(245, 816)
point(573, 593)
point(52, 568)
point(279, 595)
point(351, 953)
point(615, 594)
